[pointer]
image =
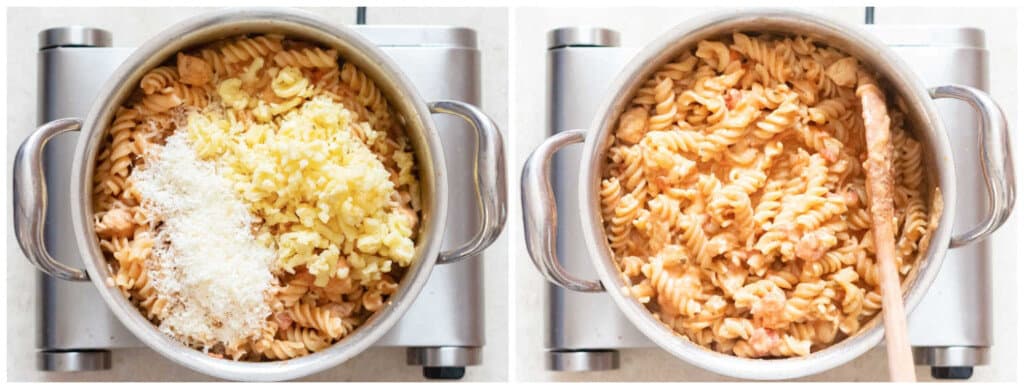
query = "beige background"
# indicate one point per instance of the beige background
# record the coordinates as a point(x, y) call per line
point(130, 27)
point(640, 25)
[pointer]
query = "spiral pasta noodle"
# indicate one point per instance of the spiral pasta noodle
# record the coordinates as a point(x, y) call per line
point(733, 196)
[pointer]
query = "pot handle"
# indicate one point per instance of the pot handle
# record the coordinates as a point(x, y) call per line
point(540, 213)
point(996, 159)
point(30, 200)
point(489, 171)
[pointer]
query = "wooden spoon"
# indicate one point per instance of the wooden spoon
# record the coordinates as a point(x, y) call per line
point(879, 180)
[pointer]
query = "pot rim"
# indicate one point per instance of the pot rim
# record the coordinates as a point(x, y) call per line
point(851, 40)
point(352, 47)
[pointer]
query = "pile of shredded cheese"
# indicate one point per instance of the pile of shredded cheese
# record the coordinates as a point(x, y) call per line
point(312, 177)
point(207, 262)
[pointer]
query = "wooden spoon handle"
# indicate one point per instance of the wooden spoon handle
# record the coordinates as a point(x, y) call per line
point(879, 180)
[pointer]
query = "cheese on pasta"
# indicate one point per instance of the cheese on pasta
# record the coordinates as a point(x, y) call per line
point(314, 180)
point(207, 263)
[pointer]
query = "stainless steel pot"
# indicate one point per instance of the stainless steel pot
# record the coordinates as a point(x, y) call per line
point(30, 188)
point(539, 212)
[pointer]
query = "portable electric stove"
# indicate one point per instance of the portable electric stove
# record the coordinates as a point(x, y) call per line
point(443, 330)
point(950, 330)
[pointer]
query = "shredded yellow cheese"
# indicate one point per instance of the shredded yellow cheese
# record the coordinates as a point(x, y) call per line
point(312, 177)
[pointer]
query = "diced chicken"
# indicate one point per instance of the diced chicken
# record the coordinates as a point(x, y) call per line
point(632, 126)
point(115, 223)
point(768, 310)
point(763, 341)
point(194, 70)
point(284, 321)
point(812, 246)
point(342, 309)
point(304, 276)
point(830, 150)
point(843, 72)
point(851, 199)
point(732, 97)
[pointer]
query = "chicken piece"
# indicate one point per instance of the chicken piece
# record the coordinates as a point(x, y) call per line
point(342, 310)
point(843, 72)
point(768, 310)
point(763, 341)
point(732, 98)
point(284, 321)
point(116, 223)
point(632, 126)
point(851, 199)
point(194, 70)
point(813, 246)
point(831, 148)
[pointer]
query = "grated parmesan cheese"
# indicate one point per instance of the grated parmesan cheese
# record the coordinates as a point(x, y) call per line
point(207, 263)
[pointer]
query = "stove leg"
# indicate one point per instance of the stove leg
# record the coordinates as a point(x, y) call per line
point(952, 372)
point(73, 360)
point(583, 360)
point(444, 373)
point(951, 362)
point(445, 362)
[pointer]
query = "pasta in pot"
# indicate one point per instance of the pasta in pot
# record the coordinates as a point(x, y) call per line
point(313, 151)
point(733, 196)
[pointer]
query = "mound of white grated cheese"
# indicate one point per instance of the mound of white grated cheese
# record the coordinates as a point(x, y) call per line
point(207, 263)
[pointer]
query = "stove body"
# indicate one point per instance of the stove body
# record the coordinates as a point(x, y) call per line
point(950, 329)
point(443, 330)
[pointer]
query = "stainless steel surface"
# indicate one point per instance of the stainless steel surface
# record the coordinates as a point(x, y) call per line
point(74, 36)
point(961, 296)
point(419, 36)
point(450, 308)
point(580, 320)
point(443, 356)
point(951, 356)
point(71, 315)
point(997, 162)
point(583, 360)
point(354, 49)
point(540, 215)
point(488, 167)
point(850, 39)
point(30, 198)
point(929, 36)
point(66, 361)
point(582, 36)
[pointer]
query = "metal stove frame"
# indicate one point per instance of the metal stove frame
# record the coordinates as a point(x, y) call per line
point(585, 330)
point(444, 329)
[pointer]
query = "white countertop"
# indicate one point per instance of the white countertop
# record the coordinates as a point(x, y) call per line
point(130, 27)
point(637, 26)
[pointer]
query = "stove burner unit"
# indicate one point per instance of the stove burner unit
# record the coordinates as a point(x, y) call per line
point(586, 330)
point(443, 331)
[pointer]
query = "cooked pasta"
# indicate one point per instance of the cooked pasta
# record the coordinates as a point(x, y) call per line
point(308, 145)
point(733, 196)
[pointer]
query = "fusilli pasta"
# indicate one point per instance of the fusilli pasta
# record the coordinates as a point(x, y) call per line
point(733, 197)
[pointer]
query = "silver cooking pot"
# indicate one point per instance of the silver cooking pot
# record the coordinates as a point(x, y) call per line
point(30, 184)
point(539, 212)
